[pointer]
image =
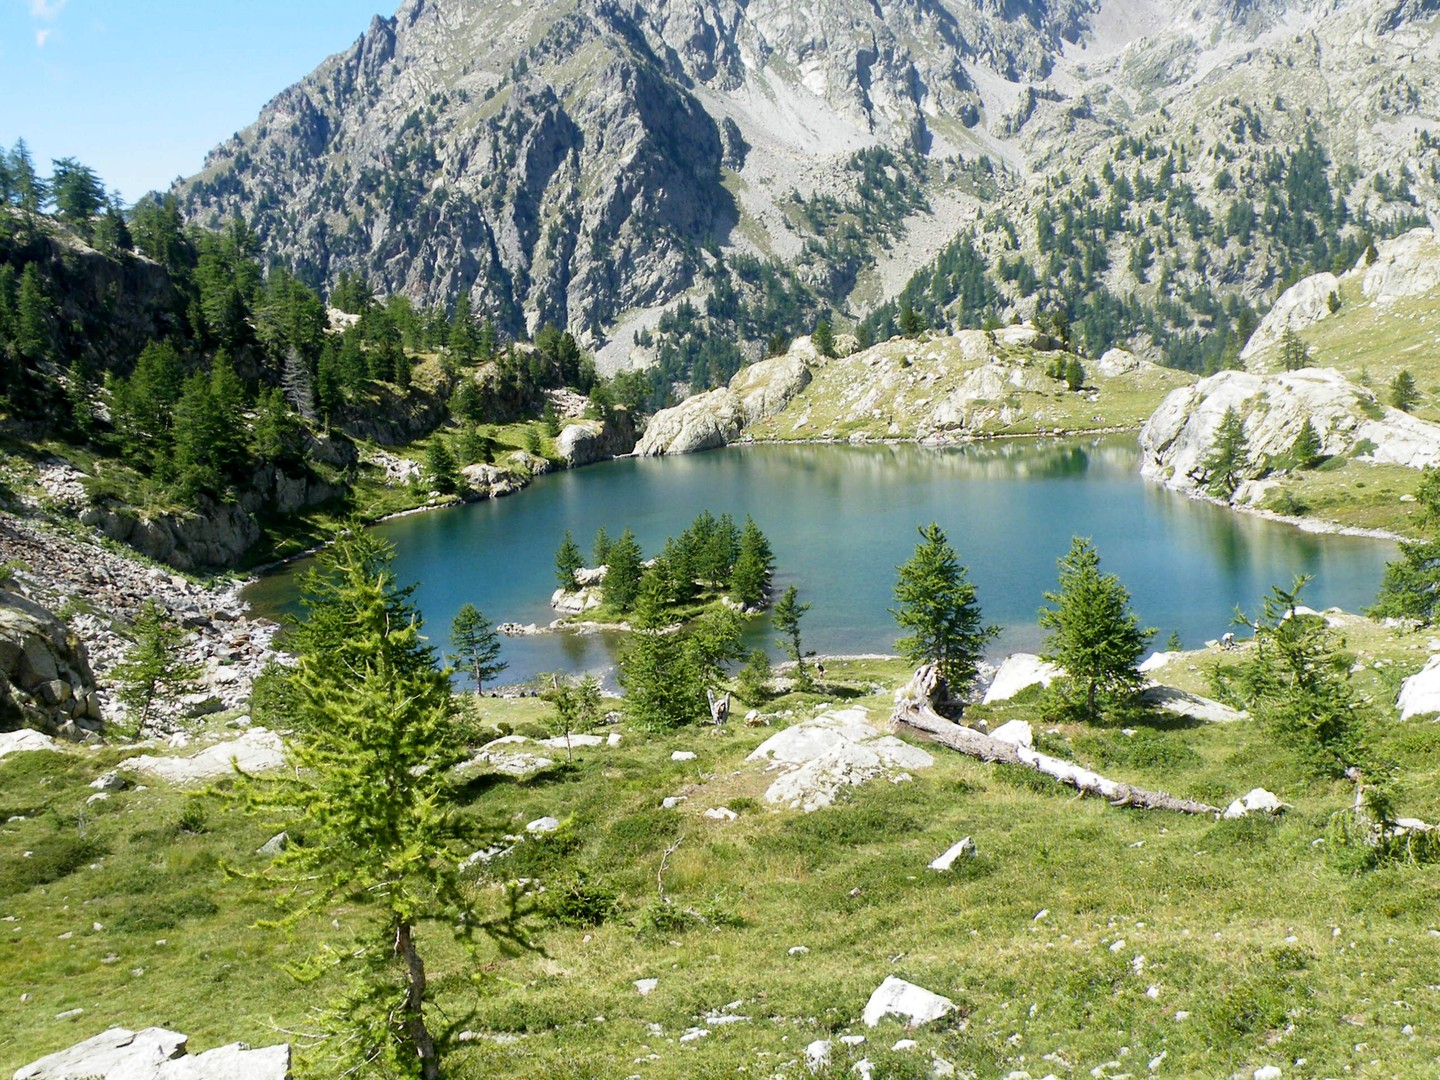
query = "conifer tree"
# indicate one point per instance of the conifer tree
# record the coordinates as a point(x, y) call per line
point(600, 548)
point(1074, 374)
point(754, 565)
point(1404, 395)
point(440, 468)
point(153, 672)
point(32, 315)
point(477, 646)
point(824, 337)
point(938, 605)
point(623, 573)
point(1294, 353)
point(567, 561)
point(78, 193)
point(786, 618)
point(374, 744)
point(1228, 460)
point(1094, 637)
point(1296, 681)
point(463, 340)
point(1306, 449)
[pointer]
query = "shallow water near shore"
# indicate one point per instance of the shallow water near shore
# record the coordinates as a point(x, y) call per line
point(841, 518)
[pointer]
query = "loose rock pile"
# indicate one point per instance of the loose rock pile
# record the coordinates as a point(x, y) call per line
point(100, 593)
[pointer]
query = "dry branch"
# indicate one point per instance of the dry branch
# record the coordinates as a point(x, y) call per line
point(914, 714)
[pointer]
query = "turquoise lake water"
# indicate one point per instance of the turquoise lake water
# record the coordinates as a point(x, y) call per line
point(841, 518)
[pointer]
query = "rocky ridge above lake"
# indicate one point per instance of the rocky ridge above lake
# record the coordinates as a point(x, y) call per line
point(942, 388)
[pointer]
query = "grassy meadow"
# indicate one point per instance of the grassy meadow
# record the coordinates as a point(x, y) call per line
point(1082, 937)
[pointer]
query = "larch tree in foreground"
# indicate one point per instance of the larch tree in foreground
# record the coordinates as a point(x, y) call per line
point(938, 605)
point(367, 800)
point(1093, 635)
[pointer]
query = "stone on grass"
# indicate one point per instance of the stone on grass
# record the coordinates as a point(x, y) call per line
point(276, 844)
point(559, 742)
point(1016, 733)
point(693, 1034)
point(817, 1054)
point(1193, 706)
point(258, 750)
point(543, 825)
point(904, 1044)
point(915, 1004)
point(798, 950)
point(1256, 800)
point(503, 756)
point(830, 752)
point(646, 986)
point(12, 742)
point(1420, 693)
point(964, 849)
point(1267, 1072)
point(721, 813)
point(683, 755)
point(110, 781)
point(157, 1054)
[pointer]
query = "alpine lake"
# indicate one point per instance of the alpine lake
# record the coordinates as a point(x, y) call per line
point(841, 518)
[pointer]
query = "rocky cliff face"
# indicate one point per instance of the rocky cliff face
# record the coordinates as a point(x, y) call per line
point(45, 676)
point(584, 162)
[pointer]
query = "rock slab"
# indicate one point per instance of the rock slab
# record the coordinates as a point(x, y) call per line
point(835, 750)
point(258, 750)
point(157, 1054)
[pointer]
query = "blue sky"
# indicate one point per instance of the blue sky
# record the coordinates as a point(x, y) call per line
point(139, 90)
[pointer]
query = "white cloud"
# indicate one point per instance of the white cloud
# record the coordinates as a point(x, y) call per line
point(42, 36)
point(49, 10)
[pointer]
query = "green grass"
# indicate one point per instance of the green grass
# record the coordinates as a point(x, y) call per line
point(1212, 907)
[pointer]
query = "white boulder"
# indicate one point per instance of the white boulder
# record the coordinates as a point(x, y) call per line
point(1015, 732)
point(503, 755)
point(1179, 435)
point(1256, 800)
point(14, 742)
point(1182, 703)
point(1016, 673)
point(915, 1004)
point(820, 757)
point(964, 849)
point(562, 742)
point(157, 1054)
point(1408, 265)
point(1420, 693)
point(542, 825)
point(258, 750)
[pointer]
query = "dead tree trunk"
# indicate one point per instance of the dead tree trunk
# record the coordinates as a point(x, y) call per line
point(915, 715)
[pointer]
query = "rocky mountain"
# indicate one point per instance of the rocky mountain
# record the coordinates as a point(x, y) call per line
point(592, 163)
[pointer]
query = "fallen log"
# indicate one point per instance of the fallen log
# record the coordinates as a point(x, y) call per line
point(915, 714)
